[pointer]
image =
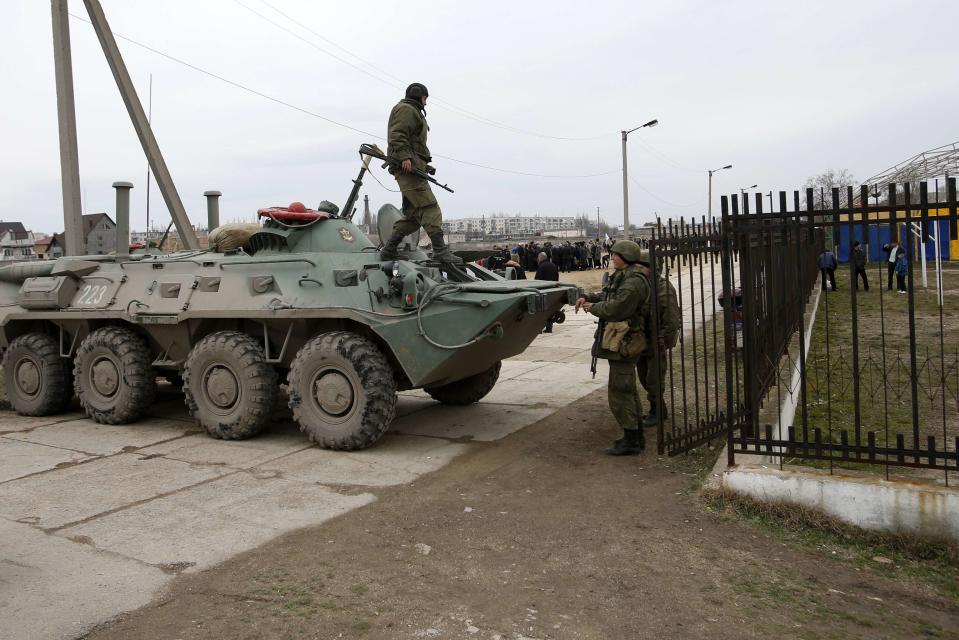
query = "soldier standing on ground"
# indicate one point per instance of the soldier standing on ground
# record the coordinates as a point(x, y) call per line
point(669, 323)
point(625, 310)
point(546, 270)
point(406, 136)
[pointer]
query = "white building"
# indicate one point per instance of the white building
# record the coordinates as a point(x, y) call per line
point(16, 243)
point(504, 225)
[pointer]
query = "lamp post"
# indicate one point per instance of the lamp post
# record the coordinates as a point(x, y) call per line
point(742, 194)
point(770, 194)
point(711, 172)
point(651, 123)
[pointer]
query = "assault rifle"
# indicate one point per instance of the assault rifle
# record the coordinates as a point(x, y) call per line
point(600, 329)
point(393, 163)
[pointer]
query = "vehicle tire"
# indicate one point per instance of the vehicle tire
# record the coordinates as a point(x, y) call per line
point(229, 386)
point(37, 380)
point(113, 376)
point(342, 391)
point(4, 403)
point(467, 390)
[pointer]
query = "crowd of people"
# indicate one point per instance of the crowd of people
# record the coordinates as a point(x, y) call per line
point(896, 260)
point(567, 256)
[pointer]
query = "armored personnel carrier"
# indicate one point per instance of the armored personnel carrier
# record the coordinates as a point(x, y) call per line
point(304, 301)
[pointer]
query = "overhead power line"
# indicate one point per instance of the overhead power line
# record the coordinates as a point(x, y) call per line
point(320, 116)
point(399, 83)
point(661, 199)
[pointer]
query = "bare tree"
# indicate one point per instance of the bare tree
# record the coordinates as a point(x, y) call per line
point(822, 186)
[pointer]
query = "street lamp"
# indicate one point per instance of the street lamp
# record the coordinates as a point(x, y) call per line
point(742, 194)
point(711, 172)
point(651, 123)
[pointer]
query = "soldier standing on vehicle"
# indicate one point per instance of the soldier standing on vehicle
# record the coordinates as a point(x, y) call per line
point(669, 323)
point(406, 136)
point(623, 312)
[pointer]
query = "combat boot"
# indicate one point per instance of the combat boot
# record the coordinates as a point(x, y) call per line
point(631, 444)
point(390, 249)
point(441, 252)
point(653, 418)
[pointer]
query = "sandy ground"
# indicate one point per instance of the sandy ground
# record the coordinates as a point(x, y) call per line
point(539, 535)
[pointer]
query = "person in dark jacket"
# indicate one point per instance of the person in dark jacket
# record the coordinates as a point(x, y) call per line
point(893, 249)
point(859, 265)
point(902, 270)
point(827, 267)
point(547, 271)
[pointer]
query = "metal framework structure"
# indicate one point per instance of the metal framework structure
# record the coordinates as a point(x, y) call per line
point(935, 163)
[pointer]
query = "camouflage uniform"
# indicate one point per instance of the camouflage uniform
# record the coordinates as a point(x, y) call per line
point(406, 136)
point(669, 322)
point(627, 299)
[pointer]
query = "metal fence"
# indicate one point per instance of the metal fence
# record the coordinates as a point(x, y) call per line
point(850, 377)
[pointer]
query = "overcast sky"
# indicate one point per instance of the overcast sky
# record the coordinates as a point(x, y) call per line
point(781, 91)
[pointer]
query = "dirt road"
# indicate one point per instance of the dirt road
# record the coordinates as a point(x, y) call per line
point(539, 535)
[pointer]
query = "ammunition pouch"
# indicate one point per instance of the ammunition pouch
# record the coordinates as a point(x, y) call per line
point(619, 338)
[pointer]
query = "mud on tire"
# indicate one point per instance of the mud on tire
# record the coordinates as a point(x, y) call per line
point(467, 390)
point(113, 376)
point(229, 386)
point(342, 391)
point(37, 380)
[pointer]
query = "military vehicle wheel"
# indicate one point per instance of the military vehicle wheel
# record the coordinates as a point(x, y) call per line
point(4, 403)
point(37, 379)
point(229, 386)
point(113, 376)
point(342, 391)
point(467, 390)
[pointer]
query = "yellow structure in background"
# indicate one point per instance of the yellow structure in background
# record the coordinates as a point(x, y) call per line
point(942, 212)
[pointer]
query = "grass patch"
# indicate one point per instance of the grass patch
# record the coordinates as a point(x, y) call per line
point(884, 367)
point(935, 563)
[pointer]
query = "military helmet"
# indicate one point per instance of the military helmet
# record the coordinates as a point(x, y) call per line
point(416, 91)
point(628, 250)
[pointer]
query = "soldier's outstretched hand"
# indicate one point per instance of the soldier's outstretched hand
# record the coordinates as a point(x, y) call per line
point(579, 303)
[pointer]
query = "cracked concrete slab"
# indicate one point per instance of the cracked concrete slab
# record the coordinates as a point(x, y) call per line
point(483, 422)
point(53, 588)
point(554, 386)
point(24, 458)
point(104, 439)
point(10, 422)
point(513, 368)
point(237, 454)
point(200, 526)
point(544, 353)
point(76, 493)
point(396, 459)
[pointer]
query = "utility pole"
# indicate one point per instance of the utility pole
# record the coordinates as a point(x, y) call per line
point(150, 121)
point(140, 123)
point(711, 172)
point(67, 117)
point(651, 123)
point(770, 194)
